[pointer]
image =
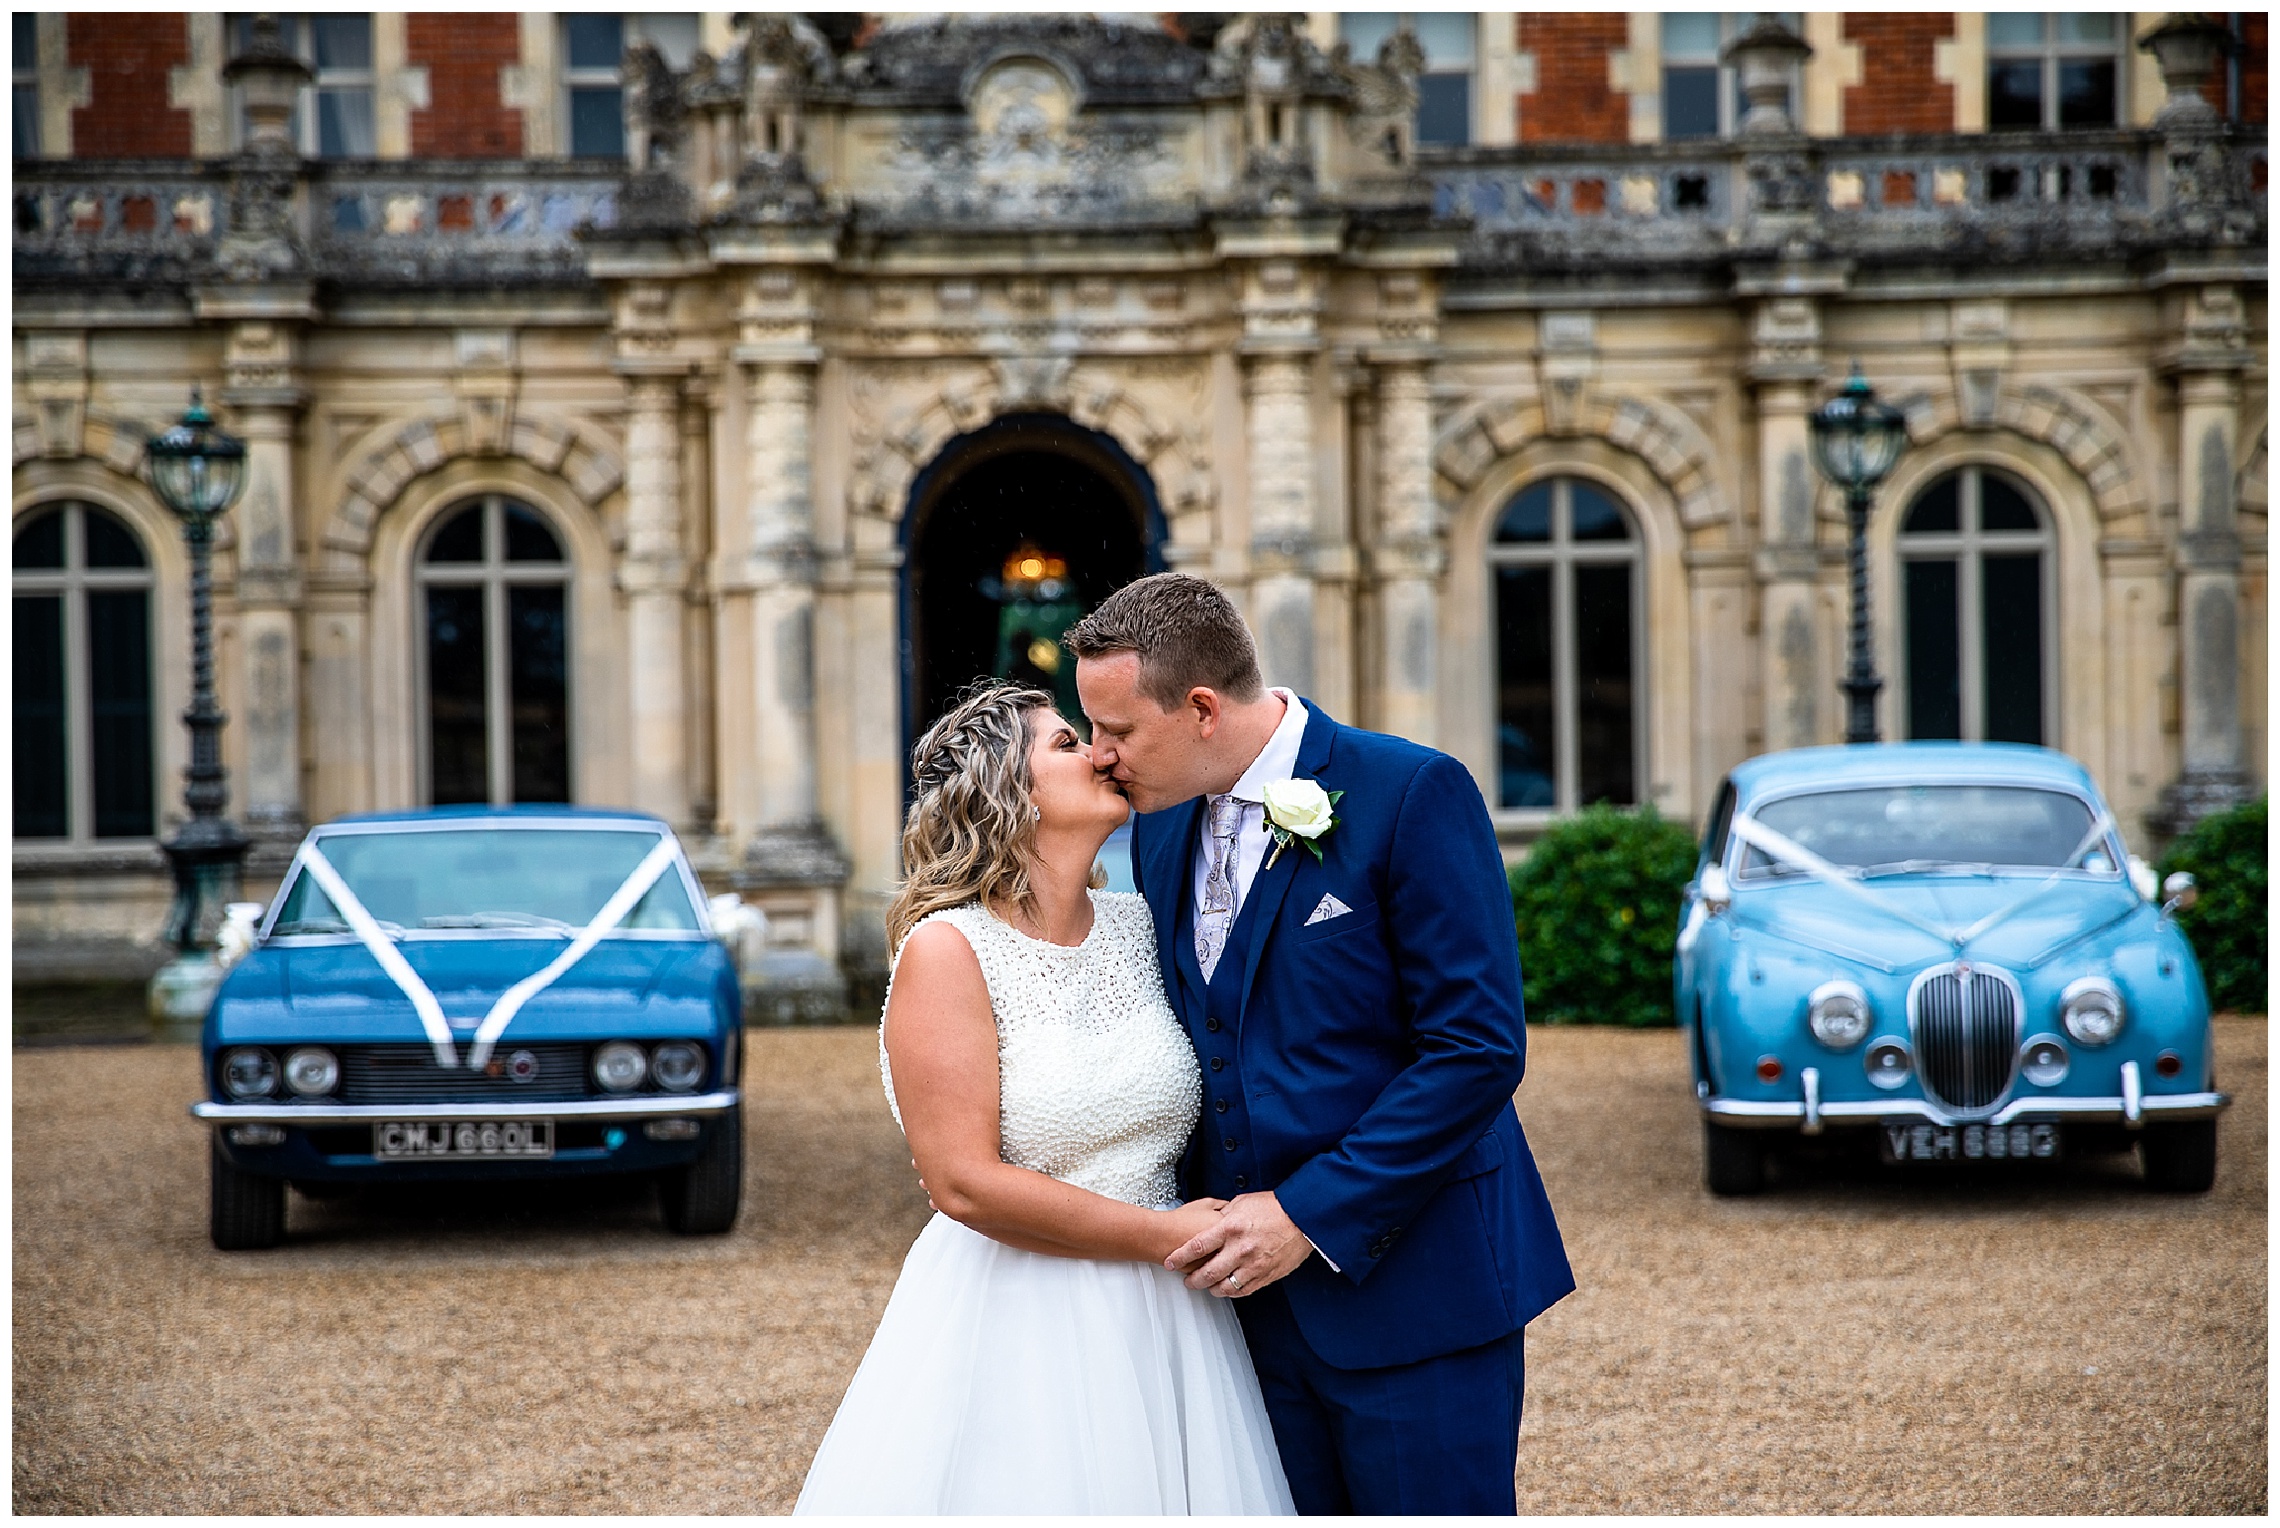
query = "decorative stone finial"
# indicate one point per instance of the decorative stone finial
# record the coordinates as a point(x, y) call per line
point(2186, 47)
point(269, 78)
point(1766, 58)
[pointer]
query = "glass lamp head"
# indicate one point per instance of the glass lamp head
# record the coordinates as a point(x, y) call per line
point(1857, 437)
point(195, 467)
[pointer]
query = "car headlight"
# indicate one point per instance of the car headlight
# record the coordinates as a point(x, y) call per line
point(619, 1067)
point(249, 1072)
point(1838, 1014)
point(312, 1070)
point(679, 1065)
point(2091, 1009)
point(2044, 1061)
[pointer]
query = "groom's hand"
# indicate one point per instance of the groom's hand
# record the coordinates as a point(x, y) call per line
point(1252, 1240)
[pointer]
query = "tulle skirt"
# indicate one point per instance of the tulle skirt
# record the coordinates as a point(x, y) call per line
point(1008, 1381)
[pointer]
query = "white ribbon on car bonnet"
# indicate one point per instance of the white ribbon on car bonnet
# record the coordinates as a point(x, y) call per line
point(614, 911)
point(510, 1002)
point(383, 949)
point(1788, 851)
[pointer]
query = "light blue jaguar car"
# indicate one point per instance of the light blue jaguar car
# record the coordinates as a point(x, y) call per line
point(1938, 952)
point(477, 993)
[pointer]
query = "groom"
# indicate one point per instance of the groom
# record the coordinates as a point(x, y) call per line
point(1349, 975)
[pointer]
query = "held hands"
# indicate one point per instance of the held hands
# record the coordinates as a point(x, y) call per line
point(1245, 1247)
point(1181, 1225)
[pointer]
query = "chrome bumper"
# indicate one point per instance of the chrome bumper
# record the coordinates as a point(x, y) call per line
point(1751, 1114)
point(648, 1106)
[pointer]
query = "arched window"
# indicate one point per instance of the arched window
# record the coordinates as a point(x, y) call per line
point(493, 588)
point(1975, 607)
point(1567, 648)
point(85, 762)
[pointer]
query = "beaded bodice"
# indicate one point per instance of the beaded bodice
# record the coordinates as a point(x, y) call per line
point(1097, 1083)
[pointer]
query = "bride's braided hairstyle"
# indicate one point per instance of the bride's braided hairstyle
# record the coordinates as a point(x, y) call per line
point(971, 830)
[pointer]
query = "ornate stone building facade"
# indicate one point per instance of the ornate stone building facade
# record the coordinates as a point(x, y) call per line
point(695, 479)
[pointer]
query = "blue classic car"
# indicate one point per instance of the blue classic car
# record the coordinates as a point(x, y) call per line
point(1940, 951)
point(474, 993)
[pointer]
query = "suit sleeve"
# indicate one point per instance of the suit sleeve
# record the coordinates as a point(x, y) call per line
point(1448, 910)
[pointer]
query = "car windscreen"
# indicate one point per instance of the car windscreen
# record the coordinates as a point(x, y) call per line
point(1894, 829)
point(498, 879)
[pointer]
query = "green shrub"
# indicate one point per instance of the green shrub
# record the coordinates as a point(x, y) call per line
point(1596, 902)
point(2226, 855)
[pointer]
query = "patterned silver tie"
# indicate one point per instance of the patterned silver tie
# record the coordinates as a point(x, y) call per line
point(1217, 915)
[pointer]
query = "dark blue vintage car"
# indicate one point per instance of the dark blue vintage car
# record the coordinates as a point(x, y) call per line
point(472, 993)
point(1941, 951)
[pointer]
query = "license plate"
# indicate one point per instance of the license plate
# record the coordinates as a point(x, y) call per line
point(431, 1140)
point(1968, 1143)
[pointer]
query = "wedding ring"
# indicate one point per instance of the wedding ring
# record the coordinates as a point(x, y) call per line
point(1234, 1281)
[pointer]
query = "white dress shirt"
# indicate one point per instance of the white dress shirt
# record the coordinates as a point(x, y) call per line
point(1277, 761)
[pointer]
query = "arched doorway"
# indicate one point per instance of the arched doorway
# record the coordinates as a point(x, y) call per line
point(1012, 534)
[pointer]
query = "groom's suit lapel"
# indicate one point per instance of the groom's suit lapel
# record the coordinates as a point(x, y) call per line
point(1168, 877)
point(1273, 882)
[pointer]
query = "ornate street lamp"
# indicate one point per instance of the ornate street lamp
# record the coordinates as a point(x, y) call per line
point(198, 471)
point(1856, 439)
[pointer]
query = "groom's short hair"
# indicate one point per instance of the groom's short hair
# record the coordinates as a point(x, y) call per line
point(1186, 632)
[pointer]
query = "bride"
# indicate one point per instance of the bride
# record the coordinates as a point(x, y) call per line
point(1036, 1355)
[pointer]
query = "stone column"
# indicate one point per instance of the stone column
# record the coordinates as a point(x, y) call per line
point(2208, 600)
point(1799, 685)
point(654, 575)
point(1282, 515)
point(1408, 557)
point(792, 868)
point(265, 399)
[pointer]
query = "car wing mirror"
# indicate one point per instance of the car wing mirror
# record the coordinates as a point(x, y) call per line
point(1716, 891)
point(2178, 892)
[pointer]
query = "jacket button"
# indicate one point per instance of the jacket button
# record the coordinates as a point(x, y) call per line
point(1221, 1106)
point(1241, 1181)
point(1229, 1143)
point(1212, 1025)
point(1218, 1063)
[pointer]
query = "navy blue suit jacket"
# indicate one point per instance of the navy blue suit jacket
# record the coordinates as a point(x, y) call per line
point(1369, 1065)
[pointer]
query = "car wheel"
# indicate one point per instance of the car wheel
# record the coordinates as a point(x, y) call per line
point(248, 1209)
point(701, 1199)
point(2180, 1158)
point(1733, 1161)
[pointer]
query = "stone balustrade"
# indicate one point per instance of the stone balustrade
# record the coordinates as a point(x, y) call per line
point(1994, 196)
point(2032, 194)
point(377, 224)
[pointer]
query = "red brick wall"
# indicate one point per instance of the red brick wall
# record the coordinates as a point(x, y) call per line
point(126, 58)
point(463, 52)
point(1897, 93)
point(2252, 69)
point(1572, 102)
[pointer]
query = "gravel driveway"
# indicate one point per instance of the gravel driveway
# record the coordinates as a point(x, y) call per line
point(2056, 1342)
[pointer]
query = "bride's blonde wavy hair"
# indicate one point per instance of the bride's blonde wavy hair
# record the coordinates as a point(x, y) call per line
point(971, 832)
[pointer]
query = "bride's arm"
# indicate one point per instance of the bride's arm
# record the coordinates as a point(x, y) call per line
point(942, 1046)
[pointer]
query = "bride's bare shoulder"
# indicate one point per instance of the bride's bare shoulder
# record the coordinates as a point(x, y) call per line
point(939, 946)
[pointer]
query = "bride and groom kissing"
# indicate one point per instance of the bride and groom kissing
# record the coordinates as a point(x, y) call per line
point(1234, 1214)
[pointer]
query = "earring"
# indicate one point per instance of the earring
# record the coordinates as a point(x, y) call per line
point(1036, 814)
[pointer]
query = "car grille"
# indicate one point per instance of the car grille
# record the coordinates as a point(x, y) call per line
point(1967, 1035)
point(408, 1074)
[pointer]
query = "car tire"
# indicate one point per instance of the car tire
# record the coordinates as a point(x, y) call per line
point(1733, 1161)
point(701, 1199)
point(248, 1209)
point(2180, 1158)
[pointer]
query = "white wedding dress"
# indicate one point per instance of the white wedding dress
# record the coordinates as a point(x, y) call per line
point(1010, 1381)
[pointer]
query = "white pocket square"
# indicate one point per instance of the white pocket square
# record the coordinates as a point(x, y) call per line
point(1326, 909)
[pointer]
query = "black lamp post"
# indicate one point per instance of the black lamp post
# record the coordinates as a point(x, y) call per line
point(1856, 439)
point(198, 471)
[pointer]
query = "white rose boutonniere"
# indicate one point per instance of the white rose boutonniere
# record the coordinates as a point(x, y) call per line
point(1299, 810)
